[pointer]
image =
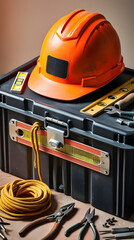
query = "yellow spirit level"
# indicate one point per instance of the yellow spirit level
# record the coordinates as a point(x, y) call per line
point(19, 82)
point(110, 98)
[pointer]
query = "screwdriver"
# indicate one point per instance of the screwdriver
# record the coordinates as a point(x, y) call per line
point(118, 230)
point(128, 235)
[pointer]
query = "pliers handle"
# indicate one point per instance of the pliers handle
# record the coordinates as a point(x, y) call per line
point(85, 221)
point(73, 228)
point(56, 217)
point(84, 227)
point(78, 225)
point(36, 223)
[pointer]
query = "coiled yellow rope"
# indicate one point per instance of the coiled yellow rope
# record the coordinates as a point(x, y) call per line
point(22, 199)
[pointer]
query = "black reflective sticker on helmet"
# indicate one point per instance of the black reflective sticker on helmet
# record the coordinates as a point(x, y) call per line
point(57, 67)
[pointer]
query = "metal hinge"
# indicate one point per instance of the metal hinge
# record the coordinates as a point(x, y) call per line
point(13, 129)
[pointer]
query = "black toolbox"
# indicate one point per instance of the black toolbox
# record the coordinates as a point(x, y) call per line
point(96, 164)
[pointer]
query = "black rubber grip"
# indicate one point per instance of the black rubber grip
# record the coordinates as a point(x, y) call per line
point(121, 230)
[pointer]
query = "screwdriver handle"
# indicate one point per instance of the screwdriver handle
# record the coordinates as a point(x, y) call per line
point(121, 230)
point(124, 235)
point(123, 103)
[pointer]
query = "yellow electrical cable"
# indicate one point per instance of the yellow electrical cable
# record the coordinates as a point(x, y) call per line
point(22, 199)
point(34, 141)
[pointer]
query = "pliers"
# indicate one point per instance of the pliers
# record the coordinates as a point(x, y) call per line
point(85, 221)
point(57, 217)
point(115, 112)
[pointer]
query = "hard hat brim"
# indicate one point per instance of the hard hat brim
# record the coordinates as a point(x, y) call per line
point(52, 89)
point(66, 92)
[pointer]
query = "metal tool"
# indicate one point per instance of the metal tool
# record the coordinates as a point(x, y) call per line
point(2, 236)
point(113, 111)
point(3, 228)
point(1, 225)
point(85, 221)
point(117, 230)
point(124, 122)
point(125, 235)
point(123, 103)
point(57, 217)
point(109, 99)
point(4, 223)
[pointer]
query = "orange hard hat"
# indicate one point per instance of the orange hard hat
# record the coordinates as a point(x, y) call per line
point(80, 54)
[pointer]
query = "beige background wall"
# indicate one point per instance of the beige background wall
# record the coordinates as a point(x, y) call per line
point(24, 24)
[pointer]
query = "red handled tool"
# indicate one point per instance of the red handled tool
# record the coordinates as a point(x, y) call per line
point(57, 217)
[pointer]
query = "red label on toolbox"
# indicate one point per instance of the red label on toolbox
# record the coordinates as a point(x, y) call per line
point(72, 151)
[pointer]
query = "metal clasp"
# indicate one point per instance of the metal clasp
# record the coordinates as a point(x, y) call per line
point(55, 137)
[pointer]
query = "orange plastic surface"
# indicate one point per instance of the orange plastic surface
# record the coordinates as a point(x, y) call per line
point(90, 45)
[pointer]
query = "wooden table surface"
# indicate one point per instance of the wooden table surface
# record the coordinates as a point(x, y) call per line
point(58, 200)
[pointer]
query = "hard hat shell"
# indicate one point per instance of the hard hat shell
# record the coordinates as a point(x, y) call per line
point(80, 54)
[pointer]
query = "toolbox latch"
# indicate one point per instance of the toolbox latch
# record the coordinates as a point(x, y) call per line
point(55, 136)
